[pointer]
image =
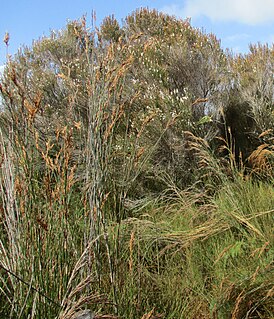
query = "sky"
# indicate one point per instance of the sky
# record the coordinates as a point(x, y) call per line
point(235, 22)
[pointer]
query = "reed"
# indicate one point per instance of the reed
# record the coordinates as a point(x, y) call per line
point(114, 206)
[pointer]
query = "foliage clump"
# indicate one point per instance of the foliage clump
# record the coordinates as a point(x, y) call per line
point(136, 174)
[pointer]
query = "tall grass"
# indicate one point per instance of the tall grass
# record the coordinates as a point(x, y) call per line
point(54, 223)
point(185, 260)
point(57, 191)
point(73, 240)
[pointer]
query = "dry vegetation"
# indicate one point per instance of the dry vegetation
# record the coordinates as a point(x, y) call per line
point(137, 175)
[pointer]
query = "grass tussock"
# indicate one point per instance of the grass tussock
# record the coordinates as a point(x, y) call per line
point(125, 192)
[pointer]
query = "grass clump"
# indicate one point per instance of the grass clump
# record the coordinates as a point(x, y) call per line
point(125, 190)
point(205, 261)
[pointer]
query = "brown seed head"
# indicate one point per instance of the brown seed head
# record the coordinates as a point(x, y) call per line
point(6, 38)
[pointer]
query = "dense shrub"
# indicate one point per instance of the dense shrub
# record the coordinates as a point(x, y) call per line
point(136, 174)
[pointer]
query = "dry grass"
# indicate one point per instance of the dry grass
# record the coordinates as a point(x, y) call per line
point(79, 231)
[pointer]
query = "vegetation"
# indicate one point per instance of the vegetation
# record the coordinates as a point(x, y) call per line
point(137, 174)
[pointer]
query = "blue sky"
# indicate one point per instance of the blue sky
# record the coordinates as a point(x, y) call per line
point(236, 22)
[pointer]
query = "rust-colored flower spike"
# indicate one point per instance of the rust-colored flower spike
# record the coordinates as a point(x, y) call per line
point(6, 38)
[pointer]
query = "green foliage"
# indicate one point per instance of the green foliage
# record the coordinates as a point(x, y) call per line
point(136, 174)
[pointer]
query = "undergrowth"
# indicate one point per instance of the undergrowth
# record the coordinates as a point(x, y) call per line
point(125, 190)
